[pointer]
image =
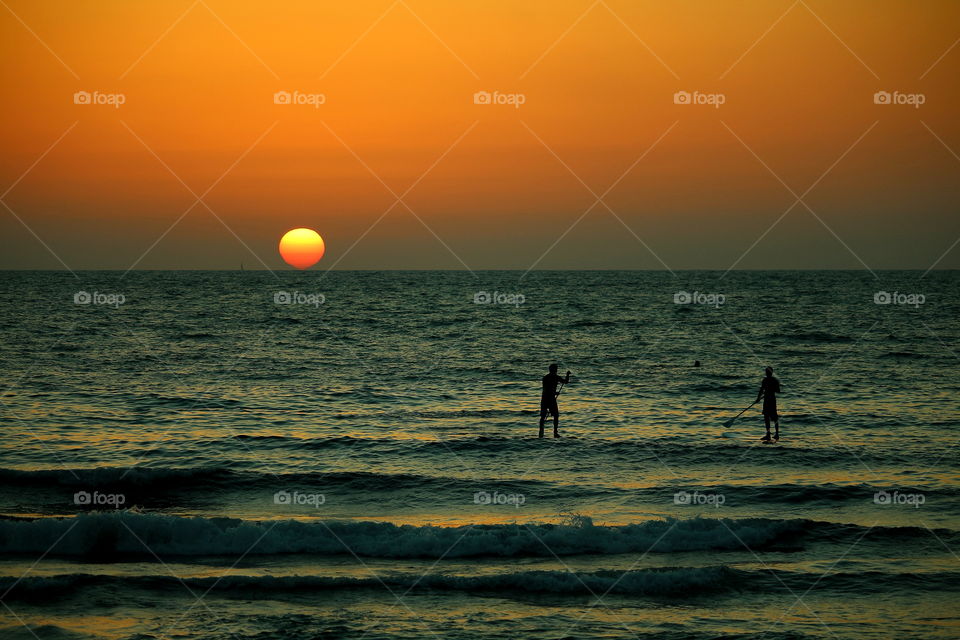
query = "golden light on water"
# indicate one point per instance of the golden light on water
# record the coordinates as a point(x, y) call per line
point(301, 248)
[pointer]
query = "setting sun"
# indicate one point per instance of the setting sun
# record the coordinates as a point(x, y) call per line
point(301, 248)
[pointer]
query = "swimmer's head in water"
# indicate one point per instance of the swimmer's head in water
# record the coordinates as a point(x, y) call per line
point(769, 371)
point(553, 368)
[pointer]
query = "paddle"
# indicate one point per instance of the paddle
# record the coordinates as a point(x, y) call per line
point(729, 423)
point(561, 386)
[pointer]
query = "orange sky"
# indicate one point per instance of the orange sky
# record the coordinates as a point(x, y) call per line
point(597, 80)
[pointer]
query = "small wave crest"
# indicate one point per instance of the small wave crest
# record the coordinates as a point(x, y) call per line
point(97, 534)
point(130, 533)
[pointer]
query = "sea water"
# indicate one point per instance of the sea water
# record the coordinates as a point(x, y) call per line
point(354, 454)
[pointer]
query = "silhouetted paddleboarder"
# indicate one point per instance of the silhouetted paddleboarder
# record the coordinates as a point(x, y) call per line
point(769, 388)
point(548, 398)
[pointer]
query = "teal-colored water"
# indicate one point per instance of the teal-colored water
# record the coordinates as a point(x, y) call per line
point(365, 461)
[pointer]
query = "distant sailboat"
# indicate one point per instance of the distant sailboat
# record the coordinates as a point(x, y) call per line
point(241, 266)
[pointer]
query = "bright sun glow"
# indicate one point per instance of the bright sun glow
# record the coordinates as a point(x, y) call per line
point(301, 248)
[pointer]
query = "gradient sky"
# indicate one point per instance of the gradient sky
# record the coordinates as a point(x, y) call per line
point(505, 189)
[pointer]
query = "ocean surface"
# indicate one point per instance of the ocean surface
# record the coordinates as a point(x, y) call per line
point(354, 455)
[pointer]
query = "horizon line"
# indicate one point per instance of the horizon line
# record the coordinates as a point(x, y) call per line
point(661, 270)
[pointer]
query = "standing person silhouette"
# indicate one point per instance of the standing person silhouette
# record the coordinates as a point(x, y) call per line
point(769, 388)
point(548, 398)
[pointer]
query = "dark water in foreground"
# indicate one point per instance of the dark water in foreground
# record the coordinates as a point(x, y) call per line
point(367, 466)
